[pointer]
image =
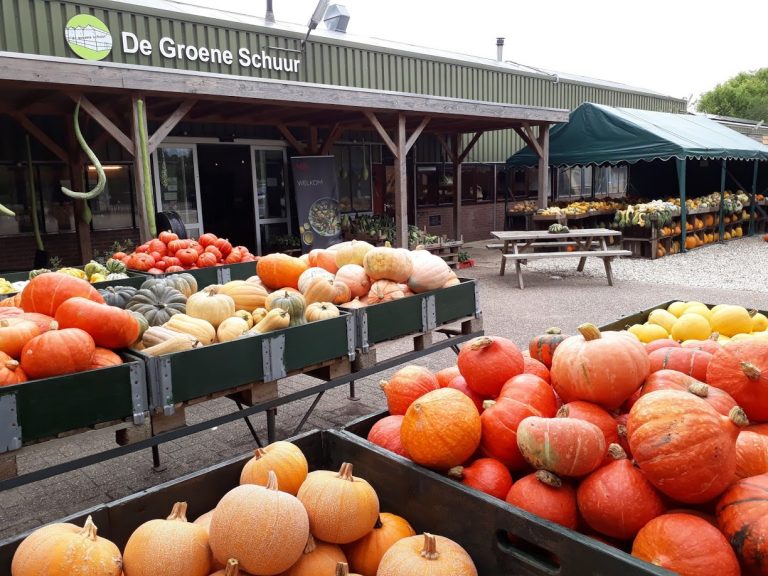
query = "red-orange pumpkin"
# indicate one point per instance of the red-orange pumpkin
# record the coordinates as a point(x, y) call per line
point(488, 362)
point(742, 515)
point(604, 368)
point(14, 333)
point(57, 352)
point(364, 555)
point(441, 429)
point(445, 375)
point(697, 458)
point(46, 292)
point(460, 384)
point(109, 326)
point(280, 271)
point(542, 347)
point(545, 495)
point(535, 367)
point(711, 346)
point(661, 343)
point(103, 357)
point(486, 475)
point(10, 371)
point(406, 385)
point(385, 291)
point(323, 259)
point(617, 499)
point(673, 380)
point(598, 416)
point(741, 369)
point(687, 545)
point(386, 433)
point(686, 360)
point(564, 446)
point(43, 321)
point(751, 454)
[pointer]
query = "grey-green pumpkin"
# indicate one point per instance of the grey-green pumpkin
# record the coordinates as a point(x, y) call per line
point(157, 303)
point(117, 296)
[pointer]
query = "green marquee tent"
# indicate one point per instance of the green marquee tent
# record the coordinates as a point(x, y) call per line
point(598, 134)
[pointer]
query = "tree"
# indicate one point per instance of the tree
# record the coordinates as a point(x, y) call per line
point(743, 96)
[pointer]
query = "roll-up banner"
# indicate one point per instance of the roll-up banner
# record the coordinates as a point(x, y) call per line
point(317, 201)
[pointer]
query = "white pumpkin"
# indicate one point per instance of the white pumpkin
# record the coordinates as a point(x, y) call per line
point(310, 274)
point(210, 306)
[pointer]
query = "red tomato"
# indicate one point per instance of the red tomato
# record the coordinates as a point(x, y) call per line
point(143, 249)
point(167, 237)
point(206, 259)
point(156, 245)
point(198, 247)
point(211, 249)
point(140, 261)
point(174, 269)
point(119, 255)
point(155, 271)
point(161, 264)
point(224, 246)
point(176, 245)
point(187, 256)
point(234, 256)
point(207, 239)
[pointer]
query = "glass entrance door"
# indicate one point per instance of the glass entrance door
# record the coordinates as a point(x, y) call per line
point(273, 214)
point(177, 185)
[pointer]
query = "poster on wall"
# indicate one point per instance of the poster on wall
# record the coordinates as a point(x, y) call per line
point(317, 201)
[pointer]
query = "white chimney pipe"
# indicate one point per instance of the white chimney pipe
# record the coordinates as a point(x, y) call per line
point(500, 49)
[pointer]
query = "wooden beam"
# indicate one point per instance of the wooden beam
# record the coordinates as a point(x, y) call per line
point(330, 140)
point(382, 132)
point(532, 140)
point(446, 147)
point(105, 122)
point(401, 186)
point(288, 135)
point(416, 133)
point(314, 147)
point(40, 136)
point(525, 138)
point(469, 146)
point(166, 127)
point(543, 141)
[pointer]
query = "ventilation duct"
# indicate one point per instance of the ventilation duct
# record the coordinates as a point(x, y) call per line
point(336, 18)
point(500, 49)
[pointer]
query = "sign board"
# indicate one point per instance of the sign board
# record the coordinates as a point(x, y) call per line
point(317, 201)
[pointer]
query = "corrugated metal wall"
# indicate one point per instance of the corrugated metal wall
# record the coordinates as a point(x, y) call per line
point(37, 26)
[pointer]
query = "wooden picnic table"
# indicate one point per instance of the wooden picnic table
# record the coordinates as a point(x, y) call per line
point(523, 245)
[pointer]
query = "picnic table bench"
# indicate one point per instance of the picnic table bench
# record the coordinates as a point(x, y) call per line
point(519, 246)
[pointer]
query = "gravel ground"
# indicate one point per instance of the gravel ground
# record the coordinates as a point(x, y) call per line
point(737, 265)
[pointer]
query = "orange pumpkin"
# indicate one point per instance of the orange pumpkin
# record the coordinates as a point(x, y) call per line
point(14, 333)
point(445, 375)
point(325, 259)
point(46, 292)
point(364, 555)
point(65, 549)
point(103, 357)
point(264, 528)
point(486, 475)
point(318, 558)
point(741, 513)
point(342, 508)
point(57, 352)
point(543, 347)
point(231, 569)
point(285, 459)
point(604, 368)
point(172, 547)
point(109, 326)
point(547, 496)
point(385, 263)
point(406, 385)
point(689, 361)
point(697, 459)
point(43, 321)
point(535, 367)
point(280, 271)
point(11, 302)
point(751, 454)
point(441, 429)
point(325, 290)
point(354, 276)
point(487, 362)
point(385, 291)
point(427, 554)
point(386, 433)
point(10, 371)
point(687, 545)
point(741, 369)
point(598, 416)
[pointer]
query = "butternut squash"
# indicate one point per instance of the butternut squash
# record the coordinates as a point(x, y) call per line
point(201, 329)
point(247, 296)
point(154, 335)
point(275, 319)
point(258, 315)
point(180, 344)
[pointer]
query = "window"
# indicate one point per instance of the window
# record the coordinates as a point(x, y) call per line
point(477, 183)
point(113, 208)
point(355, 181)
point(611, 180)
point(13, 195)
point(575, 182)
point(56, 211)
point(434, 185)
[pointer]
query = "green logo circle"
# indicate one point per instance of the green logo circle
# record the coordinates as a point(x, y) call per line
point(88, 37)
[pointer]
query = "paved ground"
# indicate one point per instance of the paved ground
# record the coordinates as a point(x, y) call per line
point(566, 300)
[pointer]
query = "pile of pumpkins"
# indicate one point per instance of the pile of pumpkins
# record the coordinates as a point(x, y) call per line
point(659, 451)
point(281, 519)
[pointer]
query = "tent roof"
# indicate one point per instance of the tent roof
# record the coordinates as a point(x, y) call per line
point(598, 134)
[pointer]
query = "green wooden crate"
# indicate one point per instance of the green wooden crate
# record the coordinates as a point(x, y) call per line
point(640, 317)
point(267, 357)
point(50, 406)
point(416, 314)
point(134, 279)
point(213, 274)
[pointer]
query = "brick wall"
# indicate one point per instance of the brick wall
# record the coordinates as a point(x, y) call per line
point(17, 253)
point(476, 220)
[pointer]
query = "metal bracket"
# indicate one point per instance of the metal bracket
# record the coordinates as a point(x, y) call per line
point(10, 431)
point(351, 336)
point(362, 330)
point(428, 313)
point(478, 311)
point(223, 274)
point(273, 359)
point(164, 380)
point(138, 391)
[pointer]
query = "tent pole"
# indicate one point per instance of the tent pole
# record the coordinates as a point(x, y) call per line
point(753, 203)
point(683, 209)
point(723, 170)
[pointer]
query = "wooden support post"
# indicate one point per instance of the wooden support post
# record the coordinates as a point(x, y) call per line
point(456, 158)
point(681, 165)
point(543, 141)
point(334, 135)
point(314, 147)
point(138, 169)
point(401, 186)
